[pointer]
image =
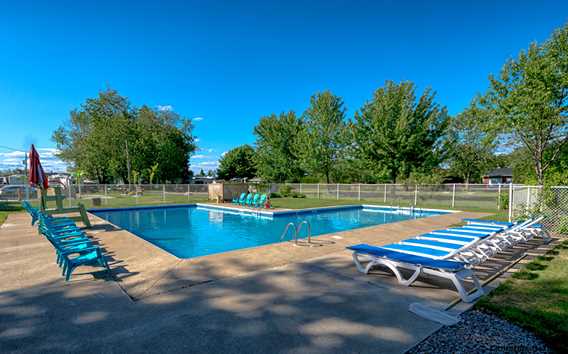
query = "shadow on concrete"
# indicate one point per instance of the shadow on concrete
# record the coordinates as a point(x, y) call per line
point(318, 306)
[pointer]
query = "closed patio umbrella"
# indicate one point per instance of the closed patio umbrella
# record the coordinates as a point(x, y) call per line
point(37, 175)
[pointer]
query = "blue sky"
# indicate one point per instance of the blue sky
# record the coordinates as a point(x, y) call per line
point(231, 62)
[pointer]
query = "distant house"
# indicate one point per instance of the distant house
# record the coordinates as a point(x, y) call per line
point(203, 179)
point(501, 175)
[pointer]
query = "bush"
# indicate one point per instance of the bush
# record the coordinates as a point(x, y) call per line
point(297, 195)
point(275, 195)
point(285, 191)
point(504, 200)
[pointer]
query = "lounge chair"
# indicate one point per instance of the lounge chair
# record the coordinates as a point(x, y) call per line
point(247, 201)
point(261, 201)
point(456, 272)
point(240, 199)
point(72, 246)
point(92, 256)
point(467, 251)
point(58, 198)
point(254, 200)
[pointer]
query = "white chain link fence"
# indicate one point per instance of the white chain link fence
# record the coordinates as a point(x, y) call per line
point(121, 195)
point(446, 196)
point(520, 200)
point(551, 202)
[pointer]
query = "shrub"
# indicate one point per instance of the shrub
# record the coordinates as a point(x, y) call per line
point(297, 195)
point(275, 195)
point(285, 191)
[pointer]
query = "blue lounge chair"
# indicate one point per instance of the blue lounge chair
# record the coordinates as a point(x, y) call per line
point(91, 256)
point(261, 201)
point(248, 200)
point(254, 200)
point(456, 272)
point(430, 253)
point(488, 222)
point(240, 199)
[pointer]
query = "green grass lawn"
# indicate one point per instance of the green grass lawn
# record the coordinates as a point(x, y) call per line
point(118, 201)
point(536, 298)
point(7, 208)
point(300, 203)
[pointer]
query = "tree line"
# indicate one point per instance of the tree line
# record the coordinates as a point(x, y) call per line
point(400, 135)
point(109, 140)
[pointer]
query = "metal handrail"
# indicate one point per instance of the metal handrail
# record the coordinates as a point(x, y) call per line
point(285, 232)
point(299, 228)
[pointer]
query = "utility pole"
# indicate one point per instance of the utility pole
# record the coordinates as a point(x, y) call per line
point(128, 165)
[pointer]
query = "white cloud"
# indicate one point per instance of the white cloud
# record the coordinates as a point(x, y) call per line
point(50, 162)
point(198, 119)
point(200, 156)
point(165, 108)
point(197, 140)
point(224, 153)
point(207, 150)
point(209, 163)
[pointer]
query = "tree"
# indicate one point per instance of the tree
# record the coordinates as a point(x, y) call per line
point(395, 134)
point(237, 163)
point(529, 101)
point(321, 144)
point(152, 171)
point(108, 138)
point(471, 145)
point(277, 138)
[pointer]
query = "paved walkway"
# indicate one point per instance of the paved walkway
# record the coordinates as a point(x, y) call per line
point(306, 300)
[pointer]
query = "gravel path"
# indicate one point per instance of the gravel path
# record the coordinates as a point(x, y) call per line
point(479, 332)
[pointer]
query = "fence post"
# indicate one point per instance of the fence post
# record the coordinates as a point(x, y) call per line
point(163, 192)
point(106, 194)
point(499, 197)
point(385, 196)
point(359, 192)
point(69, 192)
point(528, 198)
point(188, 191)
point(454, 196)
point(318, 191)
point(300, 187)
point(510, 202)
point(337, 191)
point(415, 194)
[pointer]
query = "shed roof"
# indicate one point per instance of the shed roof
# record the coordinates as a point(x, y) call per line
point(501, 172)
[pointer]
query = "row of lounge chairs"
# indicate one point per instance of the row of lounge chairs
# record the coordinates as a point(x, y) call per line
point(251, 200)
point(450, 253)
point(73, 248)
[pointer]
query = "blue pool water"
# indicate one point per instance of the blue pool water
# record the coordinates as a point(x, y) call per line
point(192, 231)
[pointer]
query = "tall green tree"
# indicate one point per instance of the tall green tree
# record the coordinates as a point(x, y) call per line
point(277, 137)
point(529, 101)
point(322, 142)
point(237, 163)
point(396, 134)
point(108, 139)
point(472, 145)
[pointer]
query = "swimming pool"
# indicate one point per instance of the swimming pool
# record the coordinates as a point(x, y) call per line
point(191, 230)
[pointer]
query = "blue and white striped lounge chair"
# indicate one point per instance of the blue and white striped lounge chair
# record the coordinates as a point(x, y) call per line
point(457, 272)
point(430, 253)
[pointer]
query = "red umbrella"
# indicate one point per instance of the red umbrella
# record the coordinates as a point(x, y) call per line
point(37, 175)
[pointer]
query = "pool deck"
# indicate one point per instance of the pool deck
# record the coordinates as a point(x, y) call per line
point(275, 298)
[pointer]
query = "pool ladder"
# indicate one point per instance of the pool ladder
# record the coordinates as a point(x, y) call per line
point(296, 231)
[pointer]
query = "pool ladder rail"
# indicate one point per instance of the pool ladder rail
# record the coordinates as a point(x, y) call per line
point(296, 232)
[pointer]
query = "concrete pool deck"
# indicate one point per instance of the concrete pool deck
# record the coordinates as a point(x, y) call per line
point(276, 298)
